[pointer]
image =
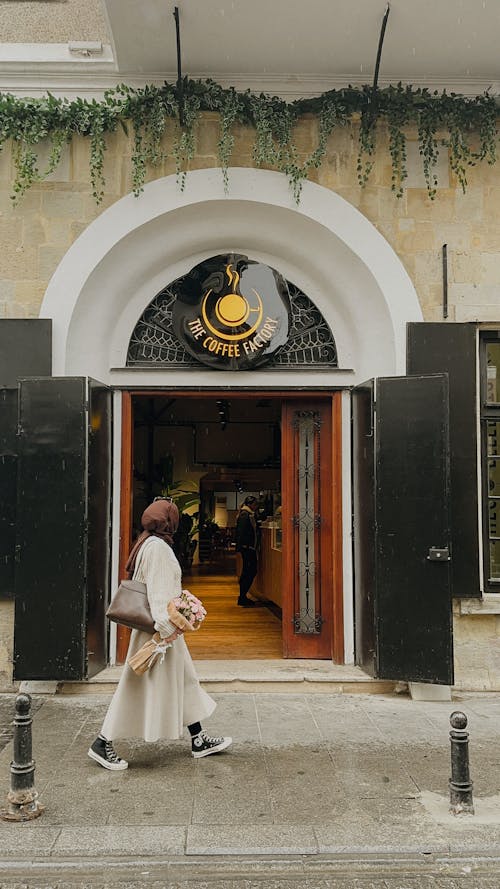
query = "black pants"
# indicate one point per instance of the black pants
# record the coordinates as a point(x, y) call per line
point(248, 570)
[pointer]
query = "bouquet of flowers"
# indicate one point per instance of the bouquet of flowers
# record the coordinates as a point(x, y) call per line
point(185, 612)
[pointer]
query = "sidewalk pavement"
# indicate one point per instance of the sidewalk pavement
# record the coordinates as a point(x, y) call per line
point(310, 775)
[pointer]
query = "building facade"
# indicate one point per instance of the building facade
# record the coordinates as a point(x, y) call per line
point(409, 289)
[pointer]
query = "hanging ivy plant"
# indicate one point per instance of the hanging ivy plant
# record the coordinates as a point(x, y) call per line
point(465, 127)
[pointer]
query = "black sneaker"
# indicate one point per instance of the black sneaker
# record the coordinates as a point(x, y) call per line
point(247, 603)
point(204, 745)
point(103, 752)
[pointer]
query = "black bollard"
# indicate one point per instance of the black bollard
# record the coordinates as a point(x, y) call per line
point(461, 801)
point(22, 799)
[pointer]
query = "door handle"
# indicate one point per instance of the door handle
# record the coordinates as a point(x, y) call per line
point(439, 554)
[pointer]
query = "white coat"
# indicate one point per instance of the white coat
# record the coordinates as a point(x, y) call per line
point(167, 697)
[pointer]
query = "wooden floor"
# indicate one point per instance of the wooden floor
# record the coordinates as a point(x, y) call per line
point(230, 632)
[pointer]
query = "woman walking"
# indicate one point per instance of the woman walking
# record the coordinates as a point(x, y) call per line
point(159, 703)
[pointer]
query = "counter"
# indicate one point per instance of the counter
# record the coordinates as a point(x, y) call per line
point(267, 584)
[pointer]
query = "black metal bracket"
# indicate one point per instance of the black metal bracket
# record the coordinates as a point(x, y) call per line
point(180, 88)
point(373, 97)
point(380, 45)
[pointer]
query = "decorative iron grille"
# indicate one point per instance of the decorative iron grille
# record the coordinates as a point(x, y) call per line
point(310, 341)
point(307, 620)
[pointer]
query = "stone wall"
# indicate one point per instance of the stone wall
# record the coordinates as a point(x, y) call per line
point(36, 235)
point(6, 644)
point(477, 650)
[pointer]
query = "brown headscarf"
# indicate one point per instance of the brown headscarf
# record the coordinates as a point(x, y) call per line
point(160, 519)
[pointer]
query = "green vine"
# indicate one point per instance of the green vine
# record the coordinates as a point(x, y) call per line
point(465, 127)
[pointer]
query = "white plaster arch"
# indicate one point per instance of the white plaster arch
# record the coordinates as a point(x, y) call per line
point(138, 245)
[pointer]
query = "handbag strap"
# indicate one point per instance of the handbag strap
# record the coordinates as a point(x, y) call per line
point(139, 558)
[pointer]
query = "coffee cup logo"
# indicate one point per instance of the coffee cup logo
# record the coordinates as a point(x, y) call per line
point(231, 312)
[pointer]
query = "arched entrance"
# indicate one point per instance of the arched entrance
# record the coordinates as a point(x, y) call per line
point(325, 246)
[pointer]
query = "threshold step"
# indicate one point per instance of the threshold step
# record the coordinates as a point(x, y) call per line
point(253, 676)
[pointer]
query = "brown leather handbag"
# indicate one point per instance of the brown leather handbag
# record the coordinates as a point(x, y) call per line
point(130, 607)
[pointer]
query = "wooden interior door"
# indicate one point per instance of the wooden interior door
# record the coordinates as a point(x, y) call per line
point(126, 482)
point(312, 626)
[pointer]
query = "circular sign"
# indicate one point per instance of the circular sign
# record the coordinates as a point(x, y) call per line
point(232, 313)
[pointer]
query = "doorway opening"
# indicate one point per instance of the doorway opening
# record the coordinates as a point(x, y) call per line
point(209, 455)
point(210, 451)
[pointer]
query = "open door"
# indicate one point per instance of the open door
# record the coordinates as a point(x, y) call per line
point(63, 522)
point(308, 507)
point(402, 552)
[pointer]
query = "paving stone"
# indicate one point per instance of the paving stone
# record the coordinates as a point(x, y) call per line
point(251, 839)
point(91, 841)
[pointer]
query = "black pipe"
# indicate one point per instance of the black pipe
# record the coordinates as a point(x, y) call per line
point(180, 91)
point(445, 280)
point(461, 801)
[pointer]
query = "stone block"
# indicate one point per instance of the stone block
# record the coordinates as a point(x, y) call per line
point(429, 266)
point(434, 295)
point(478, 628)
point(106, 840)
point(464, 266)
point(491, 207)
point(91, 210)
point(17, 261)
point(38, 687)
point(57, 232)
point(416, 178)
point(369, 202)
point(482, 175)
point(416, 240)
point(427, 691)
point(6, 641)
point(475, 295)
point(62, 204)
point(457, 235)
point(435, 313)
point(11, 233)
point(490, 268)
point(7, 290)
point(352, 194)
point(49, 259)
point(469, 206)
point(469, 679)
point(30, 294)
point(441, 209)
point(486, 238)
point(33, 232)
point(75, 230)
point(251, 839)
point(390, 206)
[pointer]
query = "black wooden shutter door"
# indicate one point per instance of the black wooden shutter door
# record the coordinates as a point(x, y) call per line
point(59, 622)
point(444, 347)
point(401, 475)
point(413, 601)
